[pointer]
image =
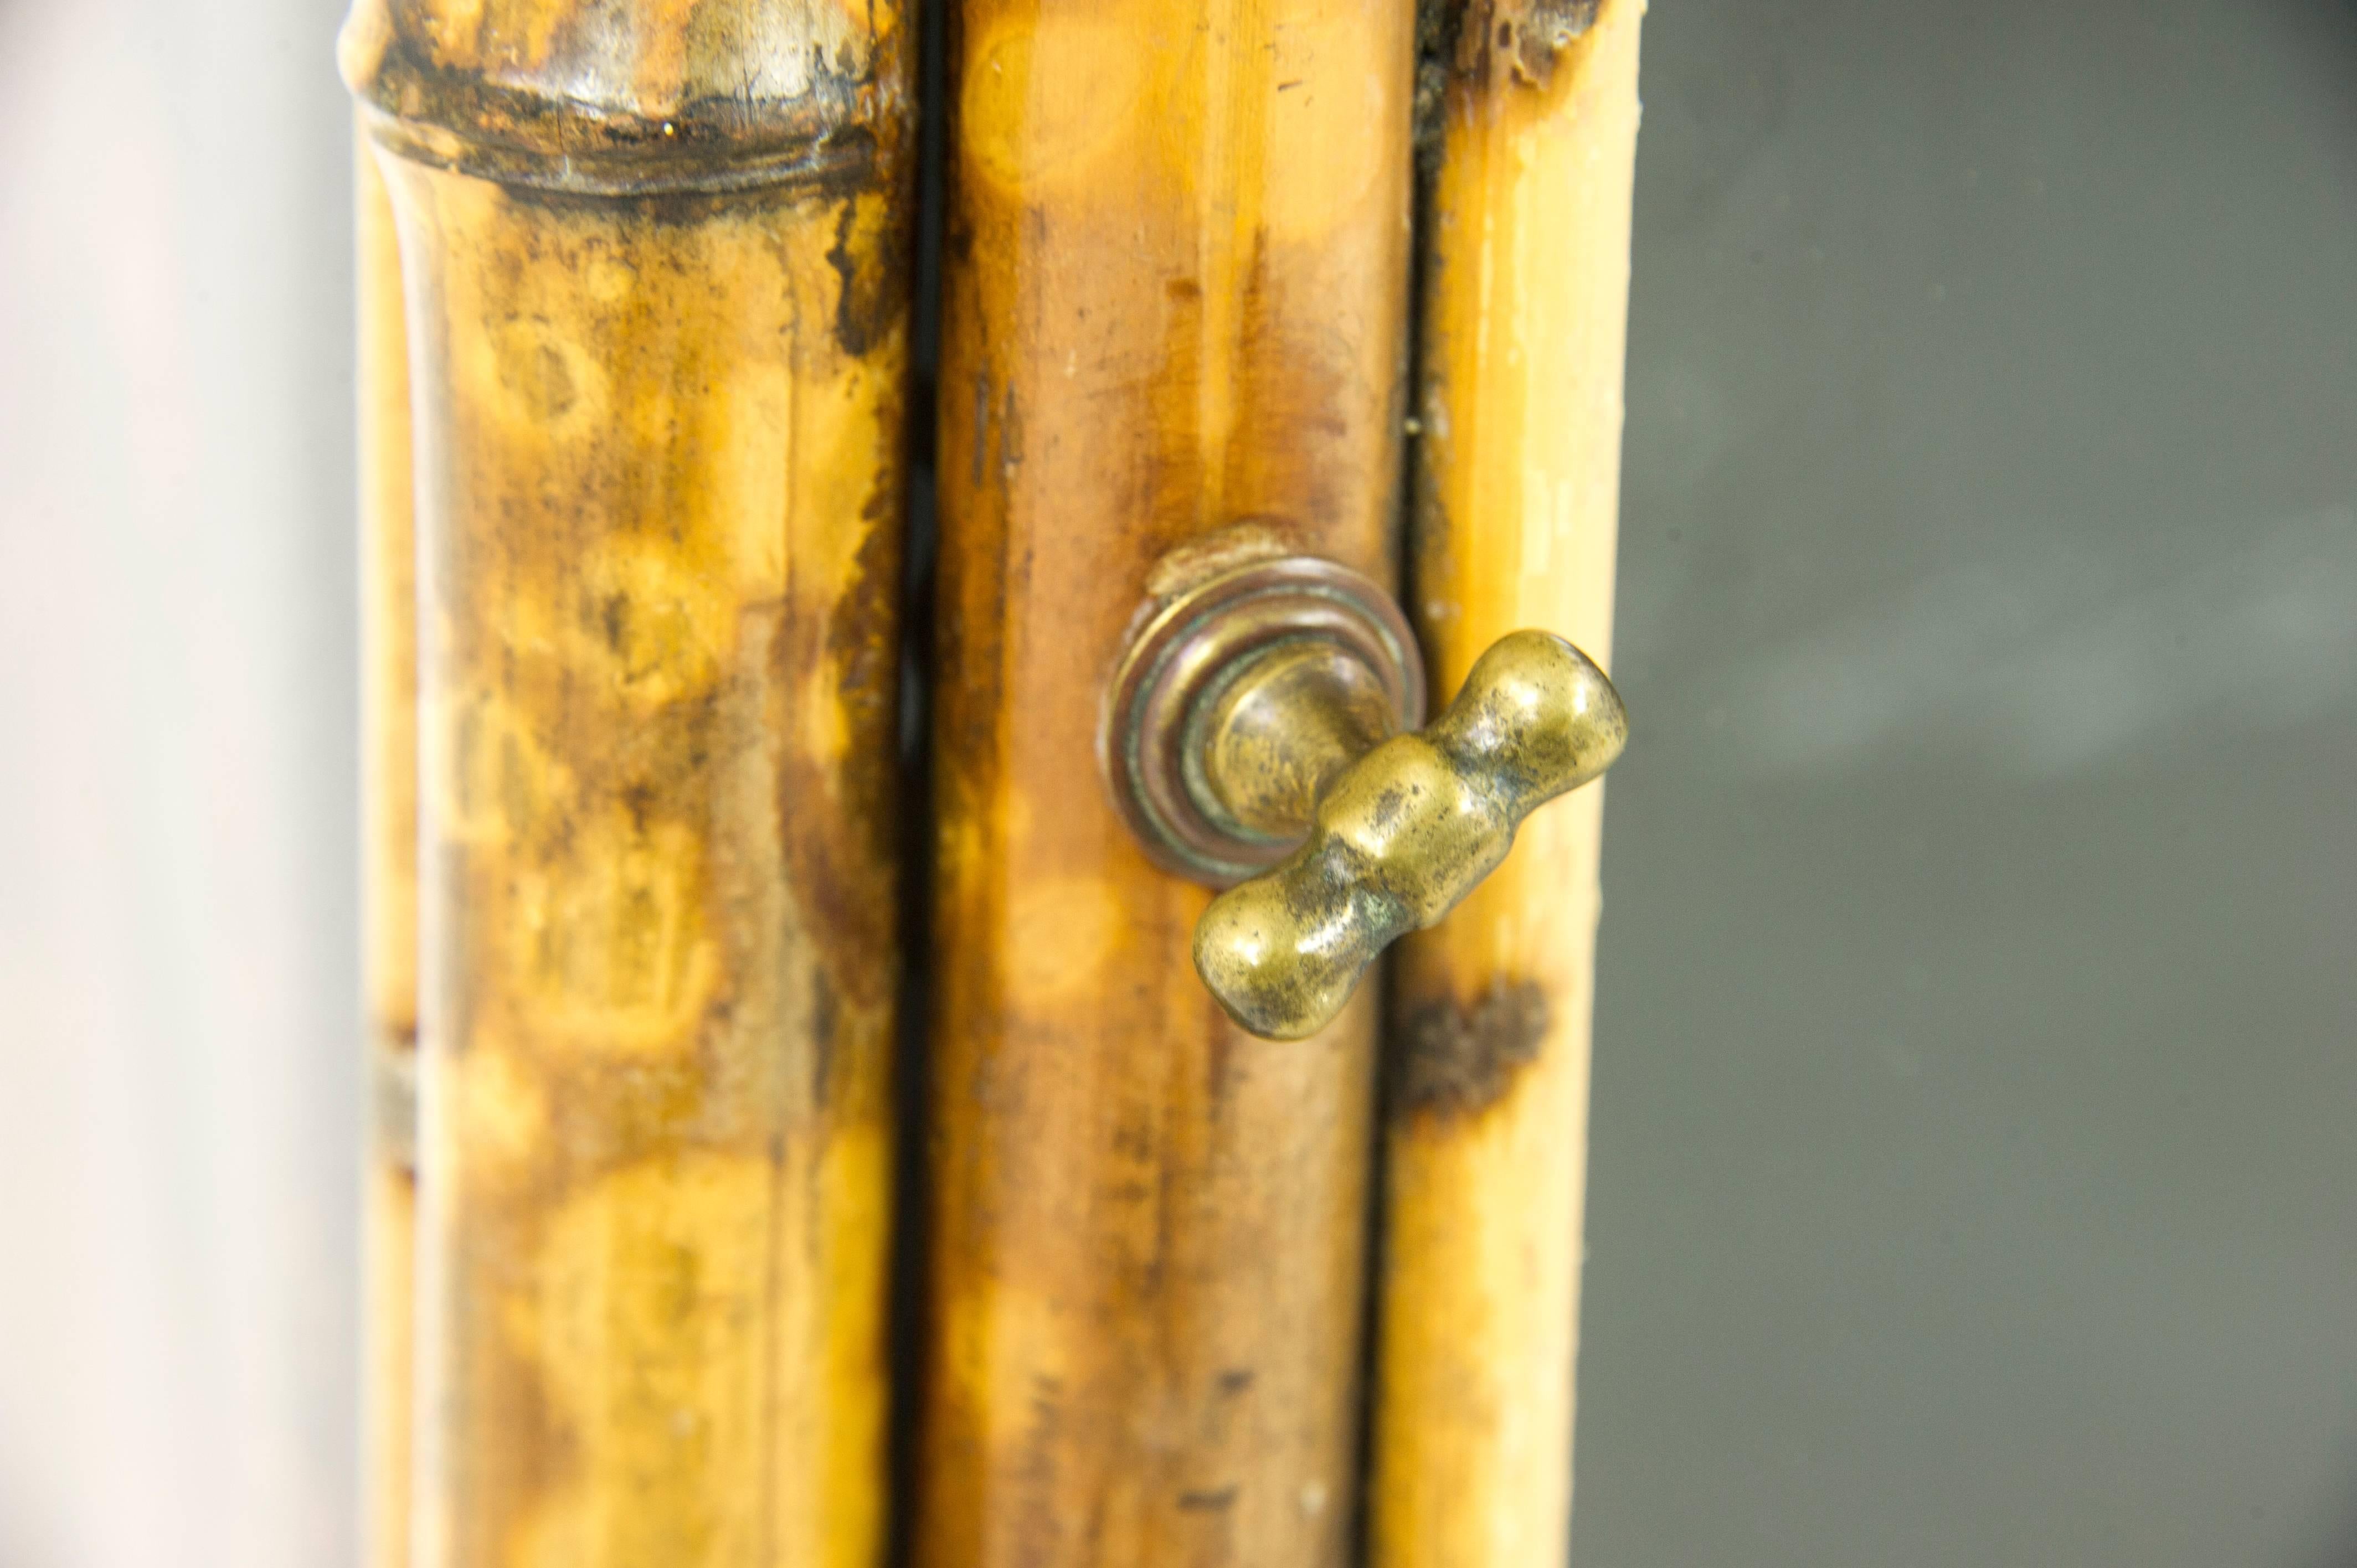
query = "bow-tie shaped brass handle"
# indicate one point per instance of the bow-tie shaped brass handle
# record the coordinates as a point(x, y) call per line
point(1278, 732)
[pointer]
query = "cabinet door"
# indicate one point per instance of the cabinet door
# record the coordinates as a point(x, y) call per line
point(1275, 404)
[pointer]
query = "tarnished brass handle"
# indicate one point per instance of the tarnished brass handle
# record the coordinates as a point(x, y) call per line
point(1405, 832)
point(1250, 731)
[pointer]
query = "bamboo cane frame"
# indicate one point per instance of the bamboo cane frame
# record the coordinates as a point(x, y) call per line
point(1174, 308)
point(388, 873)
point(1525, 283)
point(657, 340)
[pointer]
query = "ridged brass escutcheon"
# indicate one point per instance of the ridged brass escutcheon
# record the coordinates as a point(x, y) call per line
point(1407, 832)
point(1238, 701)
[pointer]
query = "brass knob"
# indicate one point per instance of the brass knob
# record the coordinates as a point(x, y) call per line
point(1407, 832)
point(1276, 755)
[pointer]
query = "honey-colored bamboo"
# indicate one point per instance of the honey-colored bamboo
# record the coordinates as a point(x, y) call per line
point(388, 873)
point(1174, 321)
point(1525, 277)
point(657, 309)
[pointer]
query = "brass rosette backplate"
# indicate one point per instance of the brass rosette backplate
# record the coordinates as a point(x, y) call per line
point(1182, 663)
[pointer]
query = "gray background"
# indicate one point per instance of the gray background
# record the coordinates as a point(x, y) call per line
point(1974, 1170)
point(1976, 1127)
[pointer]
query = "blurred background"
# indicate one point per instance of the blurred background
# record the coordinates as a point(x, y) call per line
point(1974, 1159)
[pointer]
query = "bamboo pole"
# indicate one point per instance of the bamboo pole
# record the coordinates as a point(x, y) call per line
point(1525, 283)
point(656, 299)
point(1174, 310)
point(388, 873)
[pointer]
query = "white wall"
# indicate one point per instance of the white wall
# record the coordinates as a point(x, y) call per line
point(178, 1089)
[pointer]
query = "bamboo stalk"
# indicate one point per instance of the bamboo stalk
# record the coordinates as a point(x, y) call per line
point(388, 871)
point(1174, 292)
point(1525, 284)
point(656, 297)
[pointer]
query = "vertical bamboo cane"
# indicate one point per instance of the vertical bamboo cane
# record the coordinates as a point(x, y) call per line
point(657, 318)
point(1525, 286)
point(388, 871)
point(1175, 283)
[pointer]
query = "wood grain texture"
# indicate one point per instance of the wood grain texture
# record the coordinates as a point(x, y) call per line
point(657, 424)
point(1525, 286)
point(1174, 317)
point(388, 871)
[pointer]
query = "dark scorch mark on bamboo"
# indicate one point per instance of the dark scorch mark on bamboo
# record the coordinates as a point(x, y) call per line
point(1455, 1058)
